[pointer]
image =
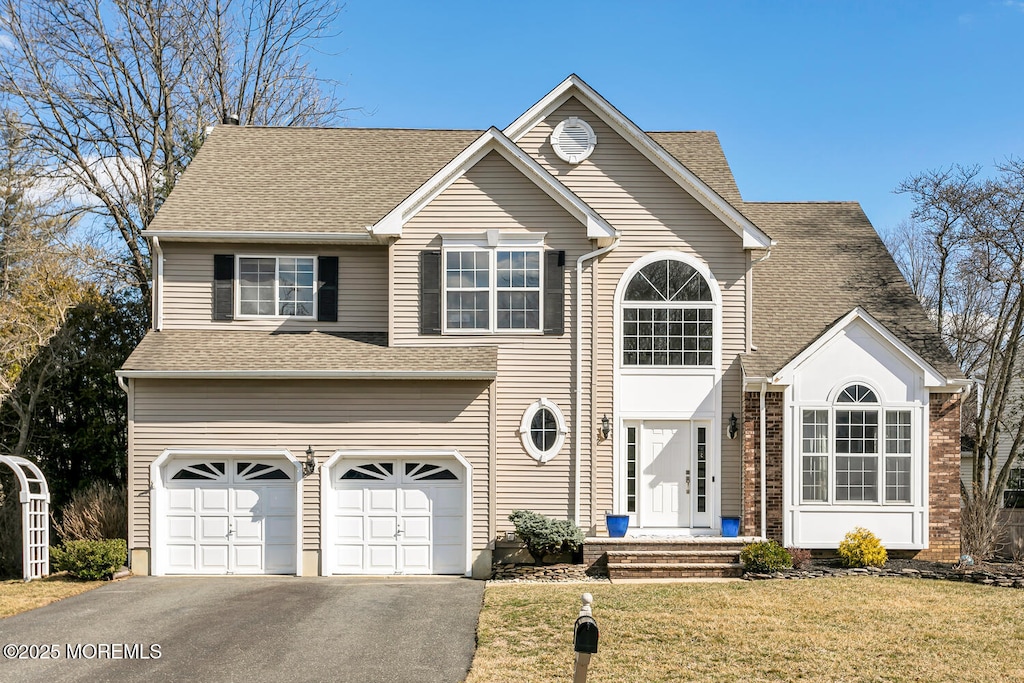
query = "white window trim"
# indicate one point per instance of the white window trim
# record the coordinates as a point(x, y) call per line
point(237, 285)
point(527, 438)
point(491, 242)
point(881, 407)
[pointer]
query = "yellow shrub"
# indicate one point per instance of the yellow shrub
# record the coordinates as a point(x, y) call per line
point(861, 548)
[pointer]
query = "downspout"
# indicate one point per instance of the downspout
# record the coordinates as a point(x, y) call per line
point(764, 462)
point(578, 350)
point(158, 277)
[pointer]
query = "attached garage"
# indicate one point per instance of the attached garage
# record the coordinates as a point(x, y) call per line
point(225, 513)
point(405, 514)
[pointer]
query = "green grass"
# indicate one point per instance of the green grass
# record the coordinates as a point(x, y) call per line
point(18, 596)
point(843, 629)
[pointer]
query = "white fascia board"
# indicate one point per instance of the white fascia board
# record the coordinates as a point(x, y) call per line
point(932, 377)
point(492, 140)
point(753, 237)
point(258, 236)
point(309, 374)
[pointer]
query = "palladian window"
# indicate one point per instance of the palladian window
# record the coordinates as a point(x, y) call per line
point(668, 317)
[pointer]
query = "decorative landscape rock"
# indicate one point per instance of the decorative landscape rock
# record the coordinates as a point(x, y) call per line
point(1003, 575)
point(546, 573)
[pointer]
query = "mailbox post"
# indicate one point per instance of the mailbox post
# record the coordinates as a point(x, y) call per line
point(584, 639)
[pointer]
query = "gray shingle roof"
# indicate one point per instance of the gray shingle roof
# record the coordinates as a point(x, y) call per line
point(204, 351)
point(701, 152)
point(340, 180)
point(828, 261)
point(336, 180)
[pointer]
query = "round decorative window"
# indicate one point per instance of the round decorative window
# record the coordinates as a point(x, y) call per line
point(542, 430)
point(573, 140)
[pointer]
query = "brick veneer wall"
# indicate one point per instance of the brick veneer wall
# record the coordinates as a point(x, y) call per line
point(750, 522)
point(943, 479)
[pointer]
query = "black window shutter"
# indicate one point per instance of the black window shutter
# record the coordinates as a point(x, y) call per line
point(327, 293)
point(554, 292)
point(223, 286)
point(430, 292)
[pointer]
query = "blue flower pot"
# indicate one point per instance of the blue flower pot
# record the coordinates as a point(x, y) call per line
point(730, 527)
point(617, 525)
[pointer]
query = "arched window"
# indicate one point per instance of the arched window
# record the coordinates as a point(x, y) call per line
point(668, 317)
point(847, 444)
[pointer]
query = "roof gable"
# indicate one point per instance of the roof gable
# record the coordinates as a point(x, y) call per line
point(932, 377)
point(573, 86)
point(492, 140)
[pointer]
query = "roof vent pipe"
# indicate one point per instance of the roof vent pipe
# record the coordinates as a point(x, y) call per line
point(230, 119)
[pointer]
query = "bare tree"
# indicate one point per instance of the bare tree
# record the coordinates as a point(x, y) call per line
point(39, 283)
point(117, 93)
point(975, 259)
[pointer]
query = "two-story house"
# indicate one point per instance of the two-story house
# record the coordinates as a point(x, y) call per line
point(369, 346)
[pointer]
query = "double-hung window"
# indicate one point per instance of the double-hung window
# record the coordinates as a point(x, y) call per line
point(276, 286)
point(856, 451)
point(492, 289)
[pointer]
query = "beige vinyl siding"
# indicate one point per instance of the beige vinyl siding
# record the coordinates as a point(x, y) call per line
point(327, 414)
point(494, 195)
point(362, 286)
point(653, 213)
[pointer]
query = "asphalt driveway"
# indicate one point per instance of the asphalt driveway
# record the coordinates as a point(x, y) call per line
point(251, 629)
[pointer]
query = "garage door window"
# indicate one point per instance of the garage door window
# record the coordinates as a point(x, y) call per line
point(203, 471)
point(255, 471)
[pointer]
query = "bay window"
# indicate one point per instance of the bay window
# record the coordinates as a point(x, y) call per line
point(856, 451)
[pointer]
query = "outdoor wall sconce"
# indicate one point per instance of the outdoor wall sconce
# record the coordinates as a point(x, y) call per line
point(733, 428)
point(606, 427)
point(309, 466)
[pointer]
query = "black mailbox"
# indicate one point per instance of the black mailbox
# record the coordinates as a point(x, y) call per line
point(585, 639)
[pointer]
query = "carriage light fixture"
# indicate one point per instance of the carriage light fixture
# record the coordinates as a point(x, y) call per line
point(309, 466)
point(733, 428)
point(606, 427)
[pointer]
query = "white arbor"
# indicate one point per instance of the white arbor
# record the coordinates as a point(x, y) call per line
point(35, 515)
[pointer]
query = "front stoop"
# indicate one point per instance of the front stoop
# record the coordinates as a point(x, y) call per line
point(696, 557)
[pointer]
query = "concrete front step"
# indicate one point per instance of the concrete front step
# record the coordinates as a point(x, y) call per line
point(673, 570)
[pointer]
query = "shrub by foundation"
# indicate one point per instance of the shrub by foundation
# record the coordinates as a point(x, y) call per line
point(545, 535)
point(765, 556)
point(861, 548)
point(93, 560)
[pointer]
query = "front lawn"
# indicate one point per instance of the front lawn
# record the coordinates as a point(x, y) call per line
point(18, 596)
point(845, 629)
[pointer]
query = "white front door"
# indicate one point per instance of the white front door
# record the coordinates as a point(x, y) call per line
point(230, 517)
point(397, 517)
point(665, 474)
point(672, 477)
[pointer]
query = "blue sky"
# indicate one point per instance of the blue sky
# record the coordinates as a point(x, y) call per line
point(811, 100)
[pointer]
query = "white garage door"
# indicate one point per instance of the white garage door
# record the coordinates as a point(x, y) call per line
point(397, 517)
point(230, 517)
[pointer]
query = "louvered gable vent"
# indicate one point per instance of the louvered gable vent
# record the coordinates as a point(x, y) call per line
point(573, 140)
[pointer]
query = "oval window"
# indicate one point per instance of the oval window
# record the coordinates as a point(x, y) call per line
point(542, 430)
